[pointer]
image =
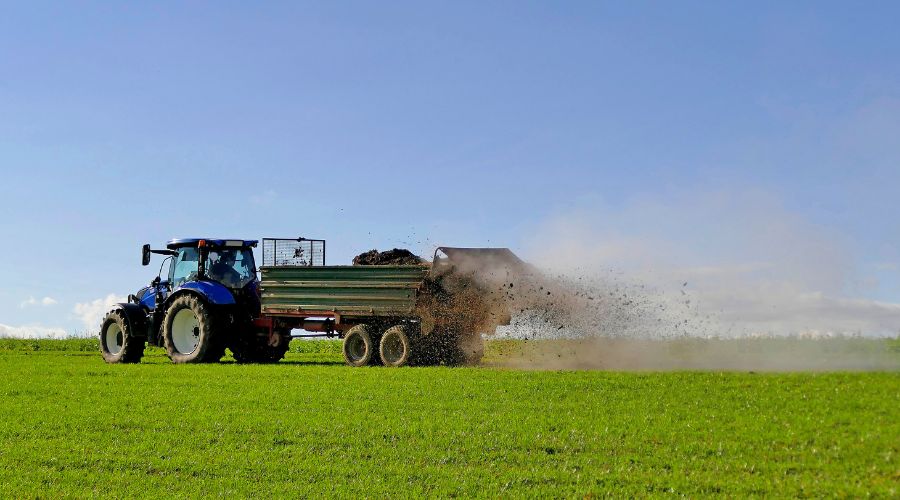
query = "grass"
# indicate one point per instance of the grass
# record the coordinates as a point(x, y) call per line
point(72, 425)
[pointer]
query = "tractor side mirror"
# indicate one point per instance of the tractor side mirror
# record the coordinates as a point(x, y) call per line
point(145, 254)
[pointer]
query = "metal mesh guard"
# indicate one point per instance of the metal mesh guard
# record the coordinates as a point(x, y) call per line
point(293, 252)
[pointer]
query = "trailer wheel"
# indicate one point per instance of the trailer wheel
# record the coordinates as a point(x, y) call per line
point(395, 348)
point(358, 346)
point(116, 343)
point(189, 332)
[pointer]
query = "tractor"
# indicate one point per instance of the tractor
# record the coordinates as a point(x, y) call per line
point(207, 301)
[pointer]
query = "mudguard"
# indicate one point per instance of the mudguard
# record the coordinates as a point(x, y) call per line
point(146, 297)
point(136, 317)
point(210, 291)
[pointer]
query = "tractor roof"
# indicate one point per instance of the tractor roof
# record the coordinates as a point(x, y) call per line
point(215, 242)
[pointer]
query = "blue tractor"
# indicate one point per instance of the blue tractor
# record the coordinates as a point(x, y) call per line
point(207, 302)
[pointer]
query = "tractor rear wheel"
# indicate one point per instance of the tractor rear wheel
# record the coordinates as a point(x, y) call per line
point(395, 347)
point(190, 333)
point(116, 343)
point(358, 346)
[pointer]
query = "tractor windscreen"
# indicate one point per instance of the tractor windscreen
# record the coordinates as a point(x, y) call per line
point(184, 266)
point(232, 267)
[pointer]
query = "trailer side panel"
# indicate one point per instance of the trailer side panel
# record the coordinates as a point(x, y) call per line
point(341, 290)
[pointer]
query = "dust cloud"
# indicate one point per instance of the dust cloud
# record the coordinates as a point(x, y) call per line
point(722, 283)
point(564, 323)
point(749, 354)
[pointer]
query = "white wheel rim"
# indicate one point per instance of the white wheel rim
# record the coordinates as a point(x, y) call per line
point(113, 338)
point(393, 349)
point(185, 331)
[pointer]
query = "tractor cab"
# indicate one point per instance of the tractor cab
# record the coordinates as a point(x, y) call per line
point(227, 262)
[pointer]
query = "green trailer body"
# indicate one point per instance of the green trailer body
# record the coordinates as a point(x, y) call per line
point(425, 314)
point(342, 292)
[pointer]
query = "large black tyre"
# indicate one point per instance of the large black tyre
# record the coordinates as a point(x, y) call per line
point(116, 342)
point(359, 348)
point(395, 348)
point(255, 348)
point(190, 332)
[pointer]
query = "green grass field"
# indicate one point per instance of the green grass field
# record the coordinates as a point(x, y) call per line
point(72, 425)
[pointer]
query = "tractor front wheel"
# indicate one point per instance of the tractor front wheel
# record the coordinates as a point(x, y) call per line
point(116, 343)
point(189, 332)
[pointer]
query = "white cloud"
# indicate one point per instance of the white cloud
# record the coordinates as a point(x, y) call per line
point(31, 301)
point(32, 332)
point(92, 313)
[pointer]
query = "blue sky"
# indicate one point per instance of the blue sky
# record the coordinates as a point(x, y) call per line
point(554, 128)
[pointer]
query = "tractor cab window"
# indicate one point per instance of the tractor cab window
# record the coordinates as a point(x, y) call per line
point(232, 267)
point(184, 266)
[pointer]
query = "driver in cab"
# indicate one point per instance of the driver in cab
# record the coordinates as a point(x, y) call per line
point(223, 271)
